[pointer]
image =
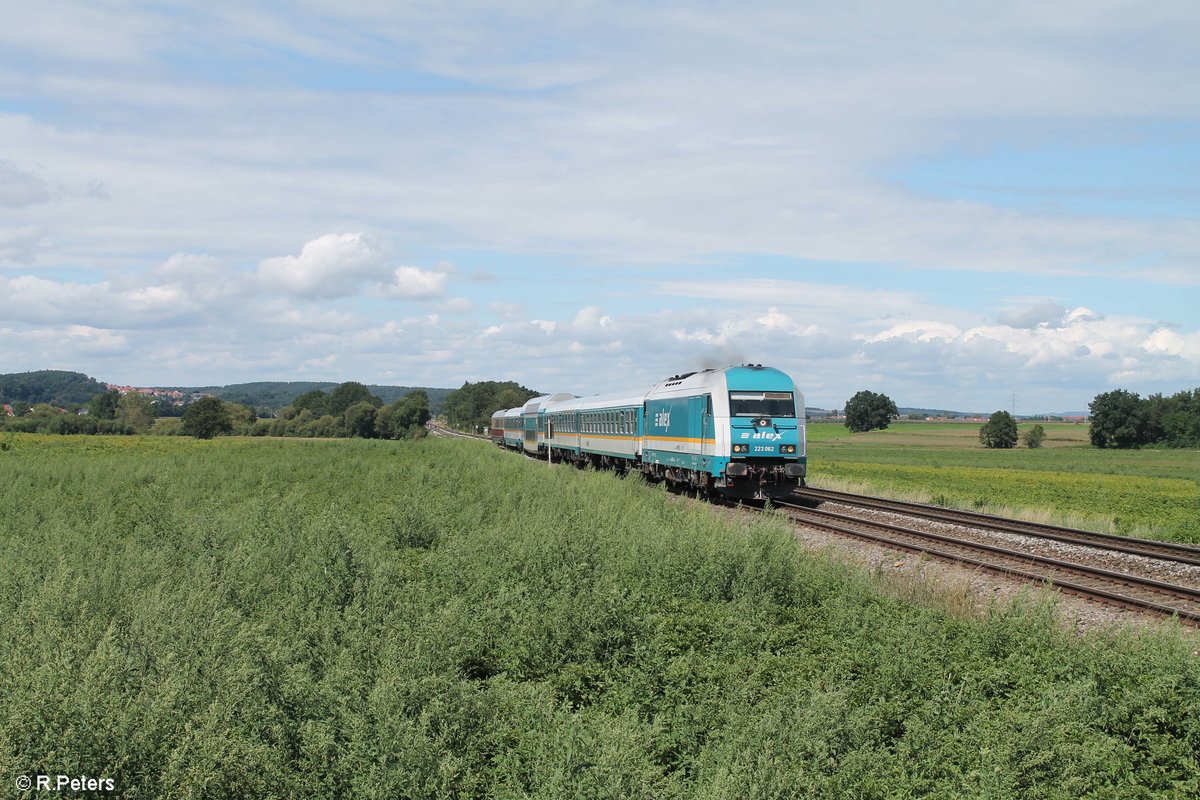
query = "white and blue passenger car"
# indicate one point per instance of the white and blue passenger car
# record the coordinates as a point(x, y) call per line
point(737, 432)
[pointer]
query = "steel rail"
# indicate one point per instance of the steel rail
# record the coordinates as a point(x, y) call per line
point(1190, 611)
point(1149, 548)
point(438, 430)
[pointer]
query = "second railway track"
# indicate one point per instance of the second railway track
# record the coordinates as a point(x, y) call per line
point(1149, 548)
point(1109, 586)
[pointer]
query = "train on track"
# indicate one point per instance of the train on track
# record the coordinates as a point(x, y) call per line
point(736, 432)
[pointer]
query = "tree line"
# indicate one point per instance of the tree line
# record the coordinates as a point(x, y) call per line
point(471, 406)
point(55, 387)
point(107, 412)
point(350, 410)
point(1125, 419)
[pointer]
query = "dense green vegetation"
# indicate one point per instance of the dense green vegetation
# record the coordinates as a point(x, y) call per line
point(470, 407)
point(868, 411)
point(1148, 492)
point(275, 395)
point(1125, 419)
point(107, 413)
point(350, 410)
point(999, 432)
point(74, 390)
point(236, 617)
point(56, 387)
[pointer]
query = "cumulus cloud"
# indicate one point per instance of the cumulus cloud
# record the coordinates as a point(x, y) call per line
point(333, 265)
point(30, 299)
point(86, 339)
point(413, 283)
point(1185, 346)
point(1083, 350)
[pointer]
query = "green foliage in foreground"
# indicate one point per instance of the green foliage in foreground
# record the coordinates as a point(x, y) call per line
point(244, 618)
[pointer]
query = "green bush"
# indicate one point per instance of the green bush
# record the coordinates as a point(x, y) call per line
point(236, 618)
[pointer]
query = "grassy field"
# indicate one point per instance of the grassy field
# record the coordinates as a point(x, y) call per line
point(440, 619)
point(1148, 492)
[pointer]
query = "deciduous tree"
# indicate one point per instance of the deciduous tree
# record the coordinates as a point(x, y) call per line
point(359, 420)
point(103, 405)
point(868, 411)
point(137, 411)
point(1034, 436)
point(1119, 419)
point(999, 431)
point(349, 393)
point(206, 418)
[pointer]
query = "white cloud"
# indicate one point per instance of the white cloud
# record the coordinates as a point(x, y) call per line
point(86, 339)
point(918, 331)
point(413, 283)
point(333, 265)
point(1185, 346)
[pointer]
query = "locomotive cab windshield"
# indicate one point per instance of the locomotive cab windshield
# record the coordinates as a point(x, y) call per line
point(761, 404)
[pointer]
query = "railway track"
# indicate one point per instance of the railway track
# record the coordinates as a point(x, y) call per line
point(1109, 586)
point(1149, 548)
point(449, 433)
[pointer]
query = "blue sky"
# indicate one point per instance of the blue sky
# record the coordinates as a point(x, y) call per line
point(946, 206)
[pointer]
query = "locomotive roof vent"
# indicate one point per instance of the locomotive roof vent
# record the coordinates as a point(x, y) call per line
point(677, 378)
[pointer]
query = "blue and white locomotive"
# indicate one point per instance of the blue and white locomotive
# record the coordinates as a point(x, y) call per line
point(737, 431)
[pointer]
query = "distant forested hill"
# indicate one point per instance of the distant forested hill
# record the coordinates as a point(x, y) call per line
point(53, 386)
point(277, 394)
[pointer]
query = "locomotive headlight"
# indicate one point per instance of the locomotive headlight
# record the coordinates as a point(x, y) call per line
point(741, 448)
point(787, 448)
